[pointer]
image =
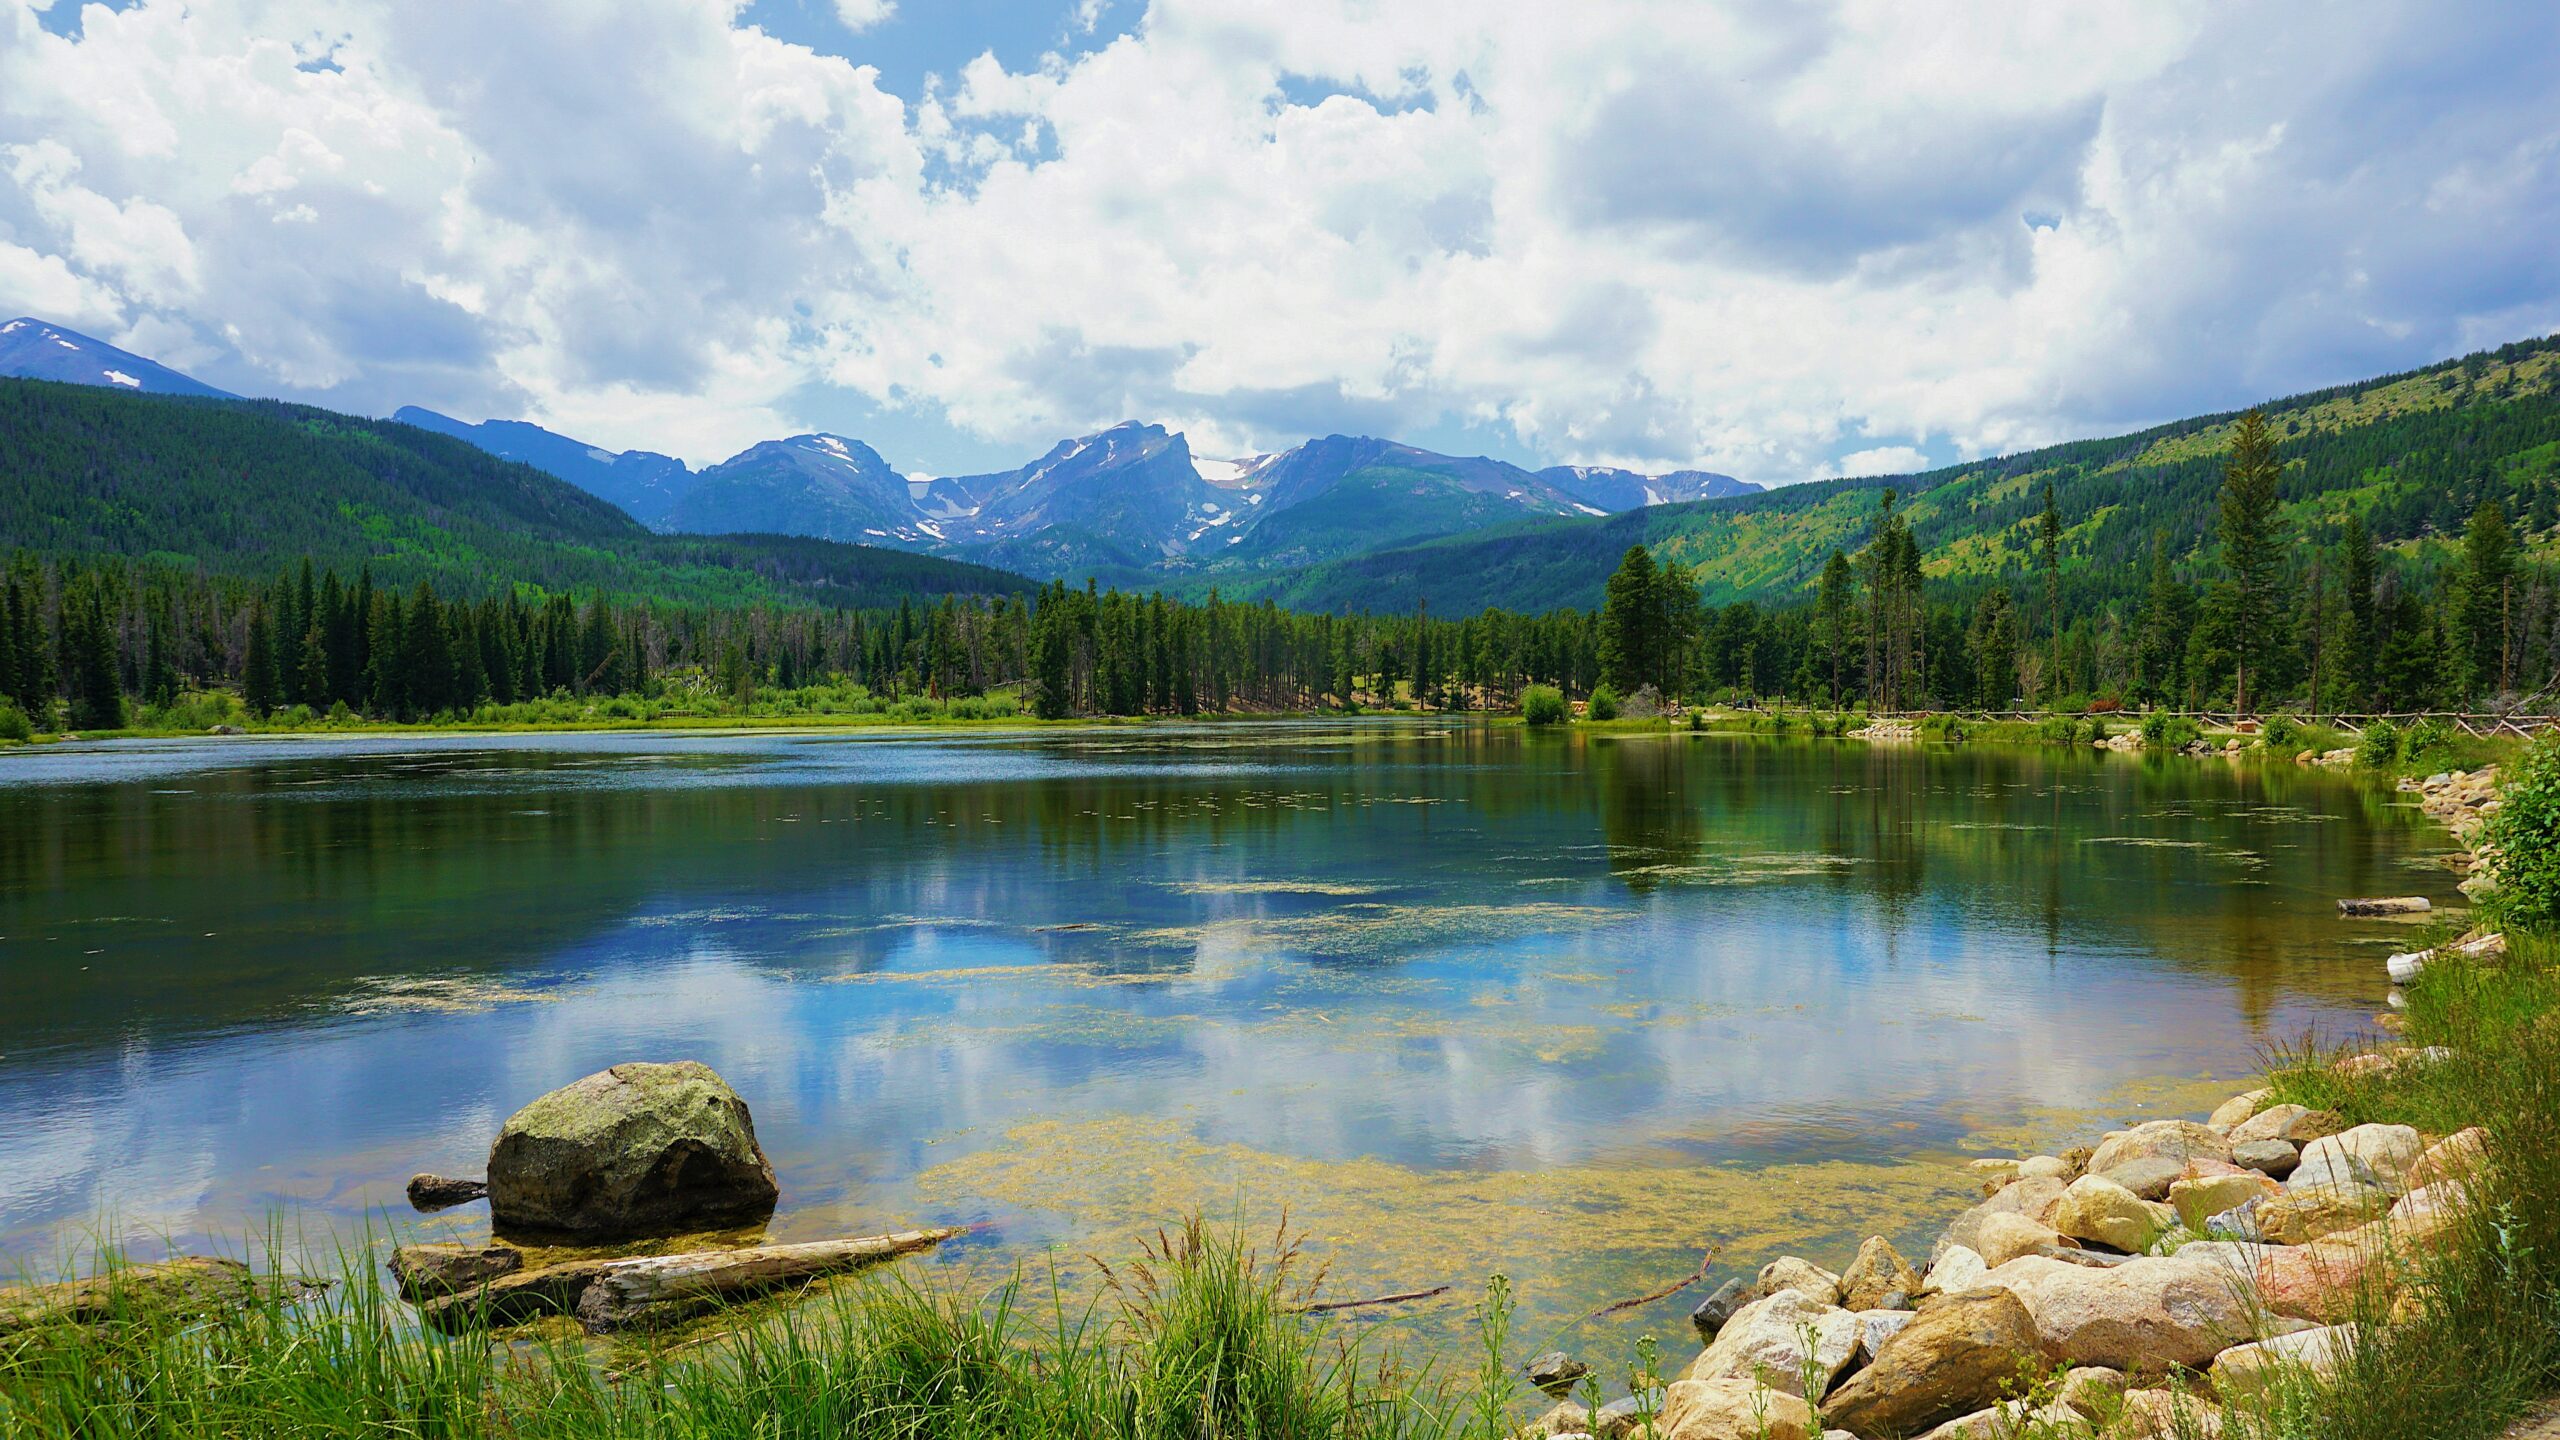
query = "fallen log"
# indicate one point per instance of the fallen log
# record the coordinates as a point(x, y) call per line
point(2406, 968)
point(1326, 1307)
point(650, 1290)
point(183, 1288)
point(2387, 905)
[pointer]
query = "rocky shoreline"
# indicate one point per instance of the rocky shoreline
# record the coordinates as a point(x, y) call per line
point(2124, 1291)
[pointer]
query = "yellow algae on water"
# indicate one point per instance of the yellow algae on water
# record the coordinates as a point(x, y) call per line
point(1271, 887)
point(1572, 1236)
point(448, 996)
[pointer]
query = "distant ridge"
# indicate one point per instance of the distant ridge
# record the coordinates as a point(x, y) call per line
point(32, 349)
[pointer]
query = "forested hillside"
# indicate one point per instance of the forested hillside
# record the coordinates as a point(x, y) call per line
point(241, 487)
point(2412, 454)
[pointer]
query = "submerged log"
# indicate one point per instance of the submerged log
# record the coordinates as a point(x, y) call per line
point(431, 1193)
point(652, 1290)
point(2387, 905)
point(185, 1287)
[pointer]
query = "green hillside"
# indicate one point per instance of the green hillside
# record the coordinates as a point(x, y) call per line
point(248, 488)
point(2412, 453)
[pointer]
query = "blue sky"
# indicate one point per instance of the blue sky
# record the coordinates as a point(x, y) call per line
point(1777, 241)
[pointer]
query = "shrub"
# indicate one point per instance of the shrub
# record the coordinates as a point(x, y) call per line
point(2283, 732)
point(2060, 730)
point(1604, 704)
point(1943, 726)
point(2169, 732)
point(2379, 749)
point(1644, 704)
point(2428, 745)
point(14, 724)
point(1542, 705)
point(2524, 839)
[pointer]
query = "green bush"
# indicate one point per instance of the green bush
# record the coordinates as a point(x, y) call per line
point(1543, 705)
point(14, 724)
point(1604, 703)
point(2062, 730)
point(2379, 747)
point(2524, 840)
point(2429, 745)
point(2284, 732)
point(2169, 732)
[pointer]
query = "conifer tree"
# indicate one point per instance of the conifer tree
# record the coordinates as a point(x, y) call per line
point(2355, 648)
point(2486, 600)
point(1630, 647)
point(261, 682)
point(2049, 559)
point(2251, 551)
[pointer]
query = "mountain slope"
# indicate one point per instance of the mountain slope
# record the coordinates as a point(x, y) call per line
point(1616, 490)
point(2412, 453)
point(819, 485)
point(640, 482)
point(249, 486)
point(30, 349)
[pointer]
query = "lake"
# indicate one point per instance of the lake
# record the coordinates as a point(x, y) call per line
point(1455, 997)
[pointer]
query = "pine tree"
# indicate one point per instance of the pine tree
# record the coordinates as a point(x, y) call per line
point(1834, 605)
point(2252, 550)
point(2355, 648)
point(1630, 648)
point(1992, 641)
point(97, 687)
point(2049, 559)
point(261, 681)
point(2485, 601)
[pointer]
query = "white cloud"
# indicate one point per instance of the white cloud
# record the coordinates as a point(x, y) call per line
point(1645, 232)
point(863, 14)
point(1883, 460)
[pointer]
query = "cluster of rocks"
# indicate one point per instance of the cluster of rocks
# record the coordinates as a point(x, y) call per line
point(2462, 801)
point(2330, 758)
point(1886, 730)
point(2115, 1292)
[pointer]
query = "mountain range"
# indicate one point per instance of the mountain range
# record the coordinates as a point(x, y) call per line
point(33, 350)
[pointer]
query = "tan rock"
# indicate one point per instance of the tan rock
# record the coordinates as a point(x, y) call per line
point(1789, 1272)
point(2142, 1316)
point(2237, 1109)
point(1732, 1410)
point(2300, 1214)
point(2317, 1281)
point(2165, 1415)
point(1949, 1361)
point(1992, 1173)
point(1958, 1269)
point(2297, 1123)
point(2092, 1391)
point(2098, 1209)
point(2047, 1167)
point(2200, 1199)
point(2008, 1421)
point(2146, 1158)
point(1879, 1270)
point(1768, 1339)
point(2004, 1238)
point(2456, 1157)
point(2423, 1220)
point(1875, 1327)
point(2368, 1154)
point(2246, 1370)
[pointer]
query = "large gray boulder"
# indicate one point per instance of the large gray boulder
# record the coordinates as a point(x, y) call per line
point(640, 1149)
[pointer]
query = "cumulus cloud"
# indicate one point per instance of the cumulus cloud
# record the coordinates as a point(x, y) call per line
point(1756, 239)
point(863, 14)
point(1882, 460)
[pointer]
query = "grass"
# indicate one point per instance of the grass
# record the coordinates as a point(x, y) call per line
point(1200, 1338)
point(2473, 1339)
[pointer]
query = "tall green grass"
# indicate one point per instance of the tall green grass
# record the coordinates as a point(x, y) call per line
point(1201, 1338)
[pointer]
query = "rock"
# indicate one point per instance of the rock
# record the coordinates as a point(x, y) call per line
point(1556, 1372)
point(2033, 1199)
point(183, 1287)
point(2274, 1159)
point(1717, 1308)
point(1733, 1410)
point(1569, 1418)
point(1958, 1270)
point(426, 1271)
point(2299, 1214)
point(2237, 1110)
point(1805, 1278)
point(2098, 1209)
point(224, 730)
point(1619, 1418)
point(639, 1149)
point(2247, 1370)
point(2199, 1200)
point(2424, 1219)
point(2004, 1238)
point(2008, 1421)
point(1993, 1173)
point(2368, 1154)
point(1947, 1362)
point(2456, 1157)
point(2147, 1158)
point(2077, 1255)
point(2164, 1415)
point(2240, 1222)
point(1875, 1327)
point(1769, 1338)
point(2316, 1281)
point(2142, 1316)
point(2092, 1391)
point(2047, 1167)
point(2297, 1123)
point(1878, 1271)
point(430, 1193)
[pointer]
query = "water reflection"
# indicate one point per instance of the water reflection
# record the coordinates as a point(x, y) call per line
point(992, 976)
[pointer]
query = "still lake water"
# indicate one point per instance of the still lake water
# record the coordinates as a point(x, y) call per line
point(1456, 998)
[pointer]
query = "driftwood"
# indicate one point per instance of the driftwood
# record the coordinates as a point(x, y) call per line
point(2406, 968)
point(1329, 1306)
point(1705, 1262)
point(2386, 905)
point(650, 1290)
point(185, 1287)
point(430, 1193)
